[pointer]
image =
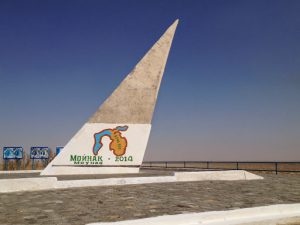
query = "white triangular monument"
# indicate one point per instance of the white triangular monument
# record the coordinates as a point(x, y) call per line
point(114, 139)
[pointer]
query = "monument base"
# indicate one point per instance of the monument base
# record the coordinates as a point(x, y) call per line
point(51, 183)
point(72, 170)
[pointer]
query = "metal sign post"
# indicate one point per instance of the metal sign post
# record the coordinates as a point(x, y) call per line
point(18, 164)
point(32, 164)
point(5, 164)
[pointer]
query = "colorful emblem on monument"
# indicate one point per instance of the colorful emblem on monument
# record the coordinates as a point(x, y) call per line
point(118, 143)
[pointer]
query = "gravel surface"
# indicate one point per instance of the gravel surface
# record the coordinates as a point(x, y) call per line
point(113, 203)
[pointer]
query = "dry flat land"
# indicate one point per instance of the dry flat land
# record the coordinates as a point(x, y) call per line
point(113, 203)
point(251, 166)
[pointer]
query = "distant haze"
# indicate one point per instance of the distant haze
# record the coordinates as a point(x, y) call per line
point(231, 89)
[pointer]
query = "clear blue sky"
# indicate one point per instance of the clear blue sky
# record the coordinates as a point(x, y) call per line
point(231, 89)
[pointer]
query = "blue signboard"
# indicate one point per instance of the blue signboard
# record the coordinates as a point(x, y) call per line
point(12, 153)
point(39, 152)
point(58, 150)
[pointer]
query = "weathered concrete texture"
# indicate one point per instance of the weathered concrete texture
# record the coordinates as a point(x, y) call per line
point(26, 184)
point(134, 100)
point(114, 203)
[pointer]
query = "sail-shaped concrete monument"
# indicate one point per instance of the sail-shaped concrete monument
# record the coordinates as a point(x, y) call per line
point(114, 139)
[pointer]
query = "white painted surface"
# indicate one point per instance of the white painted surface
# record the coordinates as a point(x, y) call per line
point(238, 216)
point(216, 175)
point(67, 170)
point(27, 184)
point(82, 145)
point(113, 181)
point(31, 184)
point(19, 171)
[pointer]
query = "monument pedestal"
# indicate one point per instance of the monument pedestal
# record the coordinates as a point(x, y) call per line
point(76, 170)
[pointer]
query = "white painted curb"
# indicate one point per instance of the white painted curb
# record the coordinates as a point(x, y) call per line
point(216, 175)
point(27, 184)
point(50, 183)
point(231, 217)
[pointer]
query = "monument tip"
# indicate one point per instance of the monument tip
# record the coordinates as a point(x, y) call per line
point(175, 23)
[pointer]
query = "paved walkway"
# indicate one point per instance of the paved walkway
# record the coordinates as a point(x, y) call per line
point(95, 204)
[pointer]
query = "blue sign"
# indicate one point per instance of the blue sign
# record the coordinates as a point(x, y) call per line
point(12, 153)
point(39, 152)
point(58, 150)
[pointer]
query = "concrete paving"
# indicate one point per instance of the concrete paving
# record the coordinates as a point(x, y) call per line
point(114, 203)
